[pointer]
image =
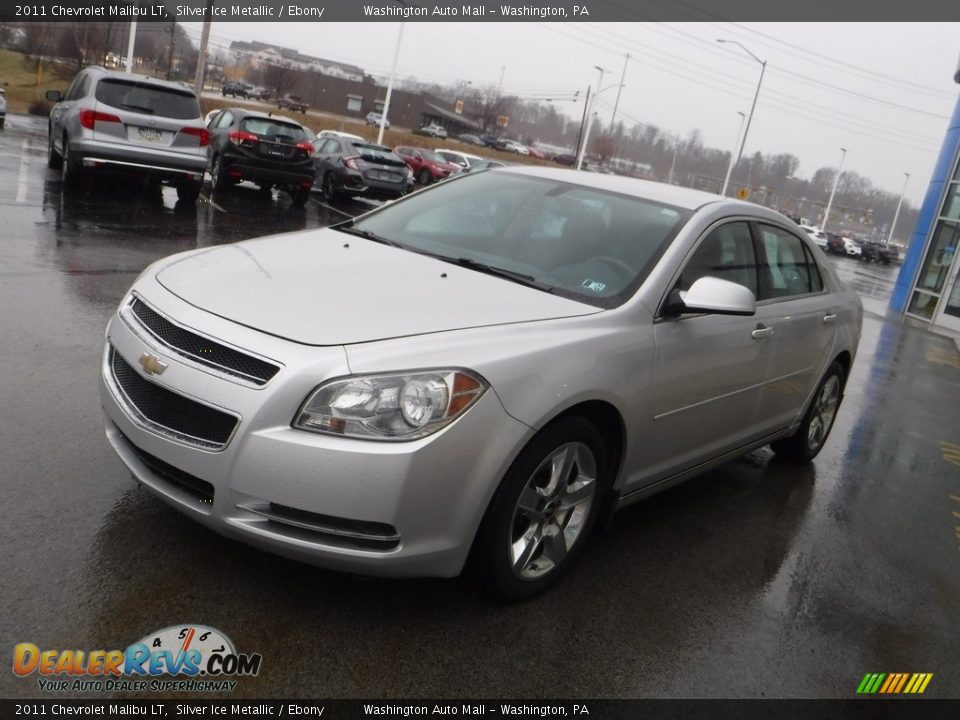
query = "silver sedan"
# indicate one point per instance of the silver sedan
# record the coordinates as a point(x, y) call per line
point(479, 372)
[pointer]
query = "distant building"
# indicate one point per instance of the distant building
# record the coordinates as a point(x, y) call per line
point(258, 54)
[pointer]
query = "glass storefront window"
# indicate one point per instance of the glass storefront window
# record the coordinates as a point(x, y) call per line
point(951, 205)
point(936, 264)
point(922, 305)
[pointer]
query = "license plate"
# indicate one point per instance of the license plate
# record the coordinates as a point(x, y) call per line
point(150, 135)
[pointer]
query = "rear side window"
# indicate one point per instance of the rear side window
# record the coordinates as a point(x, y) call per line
point(789, 268)
point(273, 130)
point(148, 99)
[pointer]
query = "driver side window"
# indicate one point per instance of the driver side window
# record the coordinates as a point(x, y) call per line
point(726, 253)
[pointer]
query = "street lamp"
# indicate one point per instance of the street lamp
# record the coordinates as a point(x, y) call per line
point(593, 101)
point(906, 179)
point(763, 69)
point(726, 180)
point(836, 181)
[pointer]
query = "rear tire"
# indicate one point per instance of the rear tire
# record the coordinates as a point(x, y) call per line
point(53, 157)
point(219, 179)
point(809, 440)
point(543, 511)
point(70, 171)
point(328, 187)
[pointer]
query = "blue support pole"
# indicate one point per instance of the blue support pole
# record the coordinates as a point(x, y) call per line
point(929, 212)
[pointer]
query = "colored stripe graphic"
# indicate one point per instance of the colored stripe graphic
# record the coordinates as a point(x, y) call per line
point(894, 683)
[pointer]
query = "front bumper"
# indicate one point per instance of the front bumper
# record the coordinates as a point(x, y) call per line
point(377, 508)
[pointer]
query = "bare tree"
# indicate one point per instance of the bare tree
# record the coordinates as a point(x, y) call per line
point(278, 78)
point(486, 104)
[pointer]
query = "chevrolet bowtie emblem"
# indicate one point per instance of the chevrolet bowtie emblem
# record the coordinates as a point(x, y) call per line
point(151, 364)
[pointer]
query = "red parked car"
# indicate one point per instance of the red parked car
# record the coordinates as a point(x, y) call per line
point(427, 166)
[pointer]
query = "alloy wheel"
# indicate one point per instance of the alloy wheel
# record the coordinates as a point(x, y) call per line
point(552, 510)
point(824, 411)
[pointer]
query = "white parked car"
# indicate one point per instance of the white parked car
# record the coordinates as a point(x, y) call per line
point(485, 370)
point(852, 247)
point(816, 234)
point(464, 160)
point(340, 134)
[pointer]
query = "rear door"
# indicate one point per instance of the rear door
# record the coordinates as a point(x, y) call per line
point(802, 315)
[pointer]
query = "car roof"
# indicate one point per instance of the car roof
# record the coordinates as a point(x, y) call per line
point(245, 113)
point(658, 192)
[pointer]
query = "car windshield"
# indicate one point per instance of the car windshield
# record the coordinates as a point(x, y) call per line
point(148, 99)
point(271, 129)
point(431, 156)
point(590, 245)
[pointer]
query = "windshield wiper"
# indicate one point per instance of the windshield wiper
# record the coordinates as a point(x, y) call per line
point(516, 277)
point(366, 234)
point(141, 108)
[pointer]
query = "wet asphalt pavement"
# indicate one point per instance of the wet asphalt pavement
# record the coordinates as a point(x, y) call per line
point(759, 579)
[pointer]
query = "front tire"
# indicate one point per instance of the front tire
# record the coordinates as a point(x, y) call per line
point(543, 511)
point(809, 440)
point(299, 196)
point(425, 177)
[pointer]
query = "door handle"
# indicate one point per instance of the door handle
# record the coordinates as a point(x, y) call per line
point(829, 318)
point(761, 332)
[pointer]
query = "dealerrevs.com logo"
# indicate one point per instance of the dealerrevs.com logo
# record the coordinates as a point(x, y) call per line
point(188, 658)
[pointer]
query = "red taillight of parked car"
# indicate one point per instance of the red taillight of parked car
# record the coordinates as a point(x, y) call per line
point(89, 118)
point(201, 133)
point(239, 137)
point(351, 162)
point(306, 147)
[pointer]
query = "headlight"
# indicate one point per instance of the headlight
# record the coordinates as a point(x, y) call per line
point(401, 406)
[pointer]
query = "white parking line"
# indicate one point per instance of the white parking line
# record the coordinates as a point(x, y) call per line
point(22, 177)
point(336, 210)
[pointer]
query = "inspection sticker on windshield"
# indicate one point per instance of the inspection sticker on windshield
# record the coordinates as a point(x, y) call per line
point(596, 286)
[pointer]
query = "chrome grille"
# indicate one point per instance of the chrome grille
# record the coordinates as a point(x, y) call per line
point(200, 349)
point(167, 413)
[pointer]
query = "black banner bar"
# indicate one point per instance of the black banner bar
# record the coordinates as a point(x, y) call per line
point(53, 11)
point(866, 709)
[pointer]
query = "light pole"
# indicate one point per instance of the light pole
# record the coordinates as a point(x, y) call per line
point(763, 69)
point(736, 141)
point(586, 132)
point(616, 104)
point(130, 46)
point(836, 181)
point(386, 100)
point(906, 179)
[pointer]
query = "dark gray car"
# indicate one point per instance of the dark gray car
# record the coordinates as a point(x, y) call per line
point(113, 121)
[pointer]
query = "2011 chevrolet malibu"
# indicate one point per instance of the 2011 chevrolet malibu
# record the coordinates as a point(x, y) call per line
point(480, 372)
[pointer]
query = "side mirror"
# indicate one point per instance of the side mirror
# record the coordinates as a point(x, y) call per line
point(714, 296)
point(53, 95)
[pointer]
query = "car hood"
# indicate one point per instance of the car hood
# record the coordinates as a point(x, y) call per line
point(329, 288)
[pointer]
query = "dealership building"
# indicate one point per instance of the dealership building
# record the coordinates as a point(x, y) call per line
point(927, 288)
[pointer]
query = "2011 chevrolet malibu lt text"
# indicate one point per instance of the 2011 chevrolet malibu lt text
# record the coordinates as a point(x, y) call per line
point(477, 373)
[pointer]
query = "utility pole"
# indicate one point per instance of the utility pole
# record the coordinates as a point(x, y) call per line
point(616, 104)
point(836, 181)
point(673, 164)
point(589, 118)
point(736, 143)
point(583, 122)
point(906, 179)
point(173, 40)
point(130, 46)
point(204, 41)
point(386, 101)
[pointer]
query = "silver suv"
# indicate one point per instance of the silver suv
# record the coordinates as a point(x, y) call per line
point(116, 121)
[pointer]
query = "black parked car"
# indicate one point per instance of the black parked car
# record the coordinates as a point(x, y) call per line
point(269, 151)
point(351, 167)
point(235, 88)
point(879, 252)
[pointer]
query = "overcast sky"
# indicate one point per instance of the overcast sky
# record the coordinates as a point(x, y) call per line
point(883, 91)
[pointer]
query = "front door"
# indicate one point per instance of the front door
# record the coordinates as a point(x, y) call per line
point(948, 314)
